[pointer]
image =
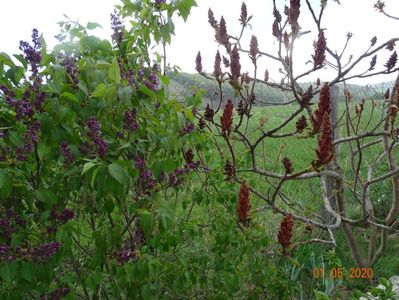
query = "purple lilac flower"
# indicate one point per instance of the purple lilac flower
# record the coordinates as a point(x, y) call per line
point(102, 148)
point(156, 68)
point(65, 215)
point(6, 253)
point(176, 177)
point(152, 82)
point(95, 135)
point(31, 137)
point(187, 129)
point(53, 213)
point(66, 152)
point(129, 120)
point(141, 74)
point(85, 148)
point(20, 154)
point(32, 133)
point(39, 100)
point(158, 3)
point(32, 53)
point(117, 27)
point(57, 294)
point(147, 180)
point(23, 109)
point(9, 96)
point(120, 135)
point(130, 76)
point(124, 255)
point(69, 62)
point(6, 228)
point(139, 162)
point(51, 229)
point(94, 127)
point(44, 251)
point(62, 217)
point(173, 180)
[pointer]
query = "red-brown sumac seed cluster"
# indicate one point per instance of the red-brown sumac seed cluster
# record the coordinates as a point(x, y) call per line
point(243, 205)
point(227, 119)
point(324, 106)
point(325, 149)
point(285, 233)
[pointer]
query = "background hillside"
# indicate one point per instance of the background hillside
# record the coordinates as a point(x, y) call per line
point(184, 84)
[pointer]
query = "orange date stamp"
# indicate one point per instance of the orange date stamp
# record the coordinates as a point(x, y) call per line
point(338, 273)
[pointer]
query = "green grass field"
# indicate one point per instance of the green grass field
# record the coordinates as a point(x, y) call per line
point(301, 151)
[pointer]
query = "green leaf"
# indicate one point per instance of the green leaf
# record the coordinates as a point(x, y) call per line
point(147, 222)
point(114, 73)
point(321, 296)
point(5, 184)
point(166, 217)
point(21, 59)
point(87, 166)
point(125, 94)
point(164, 79)
point(43, 149)
point(120, 174)
point(8, 271)
point(145, 90)
point(184, 7)
point(92, 25)
point(93, 176)
point(28, 272)
point(46, 197)
point(100, 91)
point(70, 96)
point(5, 59)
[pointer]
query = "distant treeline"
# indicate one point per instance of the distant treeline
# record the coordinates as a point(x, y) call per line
point(184, 84)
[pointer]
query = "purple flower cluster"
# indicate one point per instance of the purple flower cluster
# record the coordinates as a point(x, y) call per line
point(69, 62)
point(44, 251)
point(32, 54)
point(23, 109)
point(85, 148)
point(158, 3)
point(9, 223)
point(176, 177)
point(139, 162)
point(57, 294)
point(95, 135)
point(61, 217)
point(152, 81)
point(66, 152)
point(31, 137)
point(32, 98)
point(129, 120)
point(187, 129)
point(9, 96)
point(6, 253)
point(128, 251)
point(6, 229)
point(124, 255)
point(65, 215)
point(146, 179)
point(32, 133)
point(117, 27)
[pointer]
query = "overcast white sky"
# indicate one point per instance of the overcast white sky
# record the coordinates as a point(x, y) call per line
point(18, 17)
